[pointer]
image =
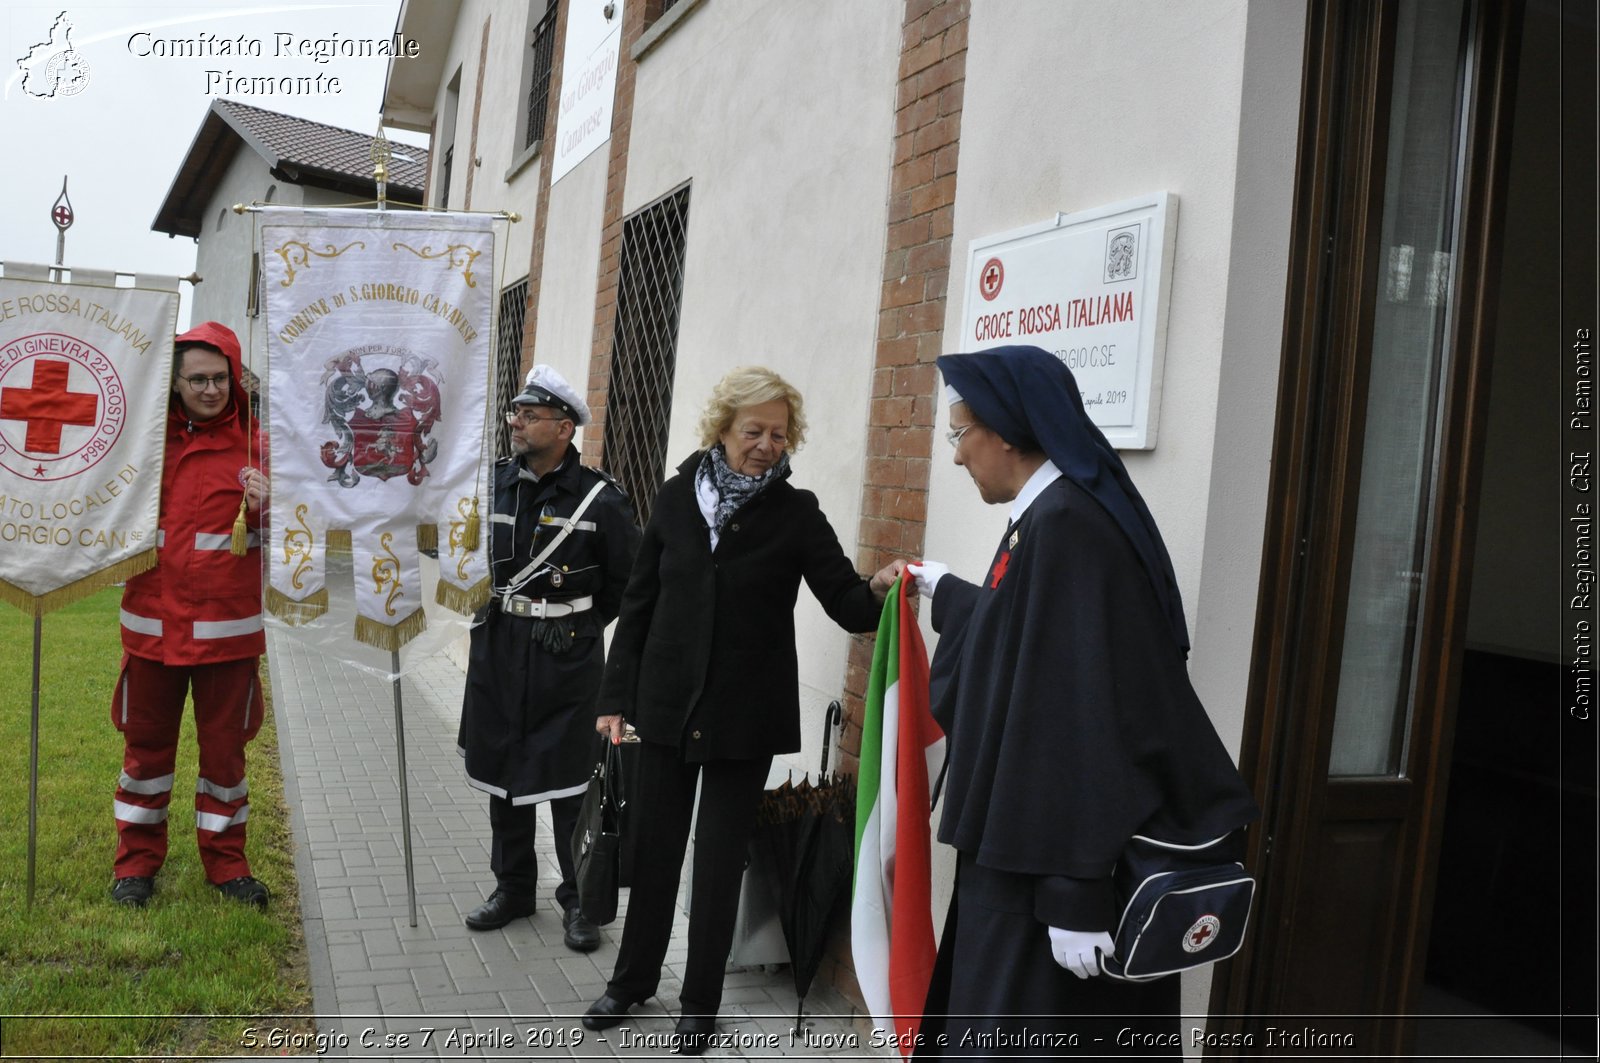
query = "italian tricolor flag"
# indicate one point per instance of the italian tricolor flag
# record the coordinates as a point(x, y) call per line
point(891, 917)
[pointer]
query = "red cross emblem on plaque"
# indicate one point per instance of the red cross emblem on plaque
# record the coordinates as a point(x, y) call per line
point(1199, 936)
point(47, 406)
point(62, 216)
point(990, 278)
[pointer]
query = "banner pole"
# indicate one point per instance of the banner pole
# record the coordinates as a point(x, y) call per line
point(405, 798)
point(33, 758)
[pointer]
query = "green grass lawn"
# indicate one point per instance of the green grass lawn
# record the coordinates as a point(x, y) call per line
point(80, 975)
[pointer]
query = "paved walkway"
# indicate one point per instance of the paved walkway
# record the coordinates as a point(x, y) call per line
point(386, 989)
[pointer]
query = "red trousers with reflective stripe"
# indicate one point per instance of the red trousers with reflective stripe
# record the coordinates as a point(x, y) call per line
point(148, 709)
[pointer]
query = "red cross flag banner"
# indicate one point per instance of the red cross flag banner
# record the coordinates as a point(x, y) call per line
point(378, 334)
point(85, 372)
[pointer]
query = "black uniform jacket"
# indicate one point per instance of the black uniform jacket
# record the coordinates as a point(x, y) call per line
point(703, 658)
point(1071, 721)
point(526, 728)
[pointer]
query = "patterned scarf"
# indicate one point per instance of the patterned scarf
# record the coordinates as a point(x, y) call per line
point(721, 491)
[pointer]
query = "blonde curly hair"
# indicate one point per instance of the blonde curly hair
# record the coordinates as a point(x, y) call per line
point(745, 386)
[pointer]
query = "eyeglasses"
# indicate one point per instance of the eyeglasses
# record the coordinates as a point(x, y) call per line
point(953, 437)
point(519, 417)
point(201, 383)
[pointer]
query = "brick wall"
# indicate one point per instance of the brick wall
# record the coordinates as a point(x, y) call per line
point(911, 309)
point(635, 18)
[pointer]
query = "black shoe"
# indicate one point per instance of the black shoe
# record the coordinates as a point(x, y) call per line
point(580, 934)
point(500, 909)
point(692, 1036)
point(133, 891)
point(606, 1012)
point(245, 890)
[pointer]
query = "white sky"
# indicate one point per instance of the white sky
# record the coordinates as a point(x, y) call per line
point(120, 140)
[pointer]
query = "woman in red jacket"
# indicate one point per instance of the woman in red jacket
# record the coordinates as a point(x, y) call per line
point(194, 623)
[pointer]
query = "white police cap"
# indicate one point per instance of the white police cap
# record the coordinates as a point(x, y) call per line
point(546, 387)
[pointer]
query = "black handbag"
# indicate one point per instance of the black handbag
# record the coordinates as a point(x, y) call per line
point(597, 840)
point(1183, 906)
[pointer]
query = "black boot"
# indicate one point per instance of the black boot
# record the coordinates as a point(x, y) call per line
point(133, 891)
point(245, 890)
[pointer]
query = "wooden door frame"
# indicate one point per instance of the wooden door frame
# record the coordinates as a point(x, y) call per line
point(1331, 296)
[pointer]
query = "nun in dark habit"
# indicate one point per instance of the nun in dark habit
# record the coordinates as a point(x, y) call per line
point(1060, 681)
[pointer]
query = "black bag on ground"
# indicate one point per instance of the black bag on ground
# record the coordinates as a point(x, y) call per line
point(1183, 906)
point(597, 841)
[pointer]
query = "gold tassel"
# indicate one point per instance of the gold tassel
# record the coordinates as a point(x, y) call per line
point(463, 600)
point(390, 636)
point(241, 532)
point(38, 605)
point(469, 538)
point(294, 613)
point(338, 540)
point(428, 537)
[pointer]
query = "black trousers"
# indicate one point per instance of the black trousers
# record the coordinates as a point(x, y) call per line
point(997, 990)
point(511, 855)
point(730, 791)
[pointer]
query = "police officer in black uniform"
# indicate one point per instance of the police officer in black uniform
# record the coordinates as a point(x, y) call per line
point(562, 540)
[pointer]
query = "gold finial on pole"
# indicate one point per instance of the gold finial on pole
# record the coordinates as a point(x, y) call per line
point(380, 166)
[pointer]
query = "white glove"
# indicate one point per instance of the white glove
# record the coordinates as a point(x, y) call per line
point(1075, 950)
point(927, 574)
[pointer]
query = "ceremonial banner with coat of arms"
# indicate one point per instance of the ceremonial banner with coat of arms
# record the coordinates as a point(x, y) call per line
point(85, 374)
point(378, 330)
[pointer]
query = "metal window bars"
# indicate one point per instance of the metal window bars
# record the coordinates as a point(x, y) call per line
point(543, 43)
point(644, 346)
point(508, 359)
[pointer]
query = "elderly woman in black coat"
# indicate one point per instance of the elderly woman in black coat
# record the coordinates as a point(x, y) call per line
point(703, 666)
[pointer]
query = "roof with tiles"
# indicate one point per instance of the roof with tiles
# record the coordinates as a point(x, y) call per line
point(296, 150)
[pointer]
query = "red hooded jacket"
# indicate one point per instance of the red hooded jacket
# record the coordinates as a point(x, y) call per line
point(201, 604)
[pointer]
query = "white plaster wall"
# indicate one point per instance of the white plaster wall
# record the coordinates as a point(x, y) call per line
point(571, 265)
point(222, 255)
point(1230, 575)
point(1071, 104)
point(1140, 97)
point(499, 125)
point(781, 114)
point(227, 240)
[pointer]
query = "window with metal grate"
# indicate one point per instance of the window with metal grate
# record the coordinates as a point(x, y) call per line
point(543, 43)
point(644, 346)
point(508, 358)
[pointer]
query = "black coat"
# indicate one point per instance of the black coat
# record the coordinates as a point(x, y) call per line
point(1070, 717)
point(703, 658)
point(527, 731)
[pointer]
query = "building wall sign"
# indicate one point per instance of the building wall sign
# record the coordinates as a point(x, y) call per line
point(588, 82)
point(1091, 287)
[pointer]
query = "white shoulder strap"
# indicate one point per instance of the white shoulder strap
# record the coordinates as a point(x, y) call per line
point(549, 548)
